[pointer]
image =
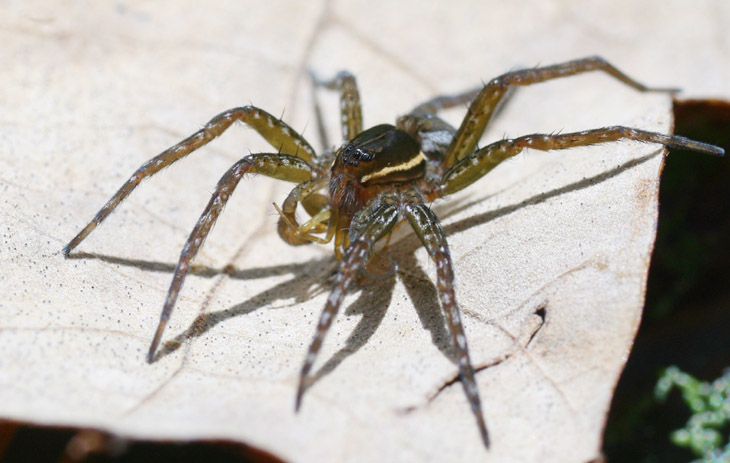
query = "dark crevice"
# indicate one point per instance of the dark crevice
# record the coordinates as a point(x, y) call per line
point(26, 443)
point(457, 379)
point(541, 312)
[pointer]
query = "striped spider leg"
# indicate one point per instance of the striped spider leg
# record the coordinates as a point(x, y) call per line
point(462, 165)
point(350, 108)
point(479, 163)
point(294, 162)
point(455, 165)
point(371, 224)
point(276, 165)
point(429, 231)
point(383, 215)
point(488, 100)
point(388, 167)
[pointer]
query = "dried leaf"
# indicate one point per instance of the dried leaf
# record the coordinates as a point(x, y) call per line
point(551, 249)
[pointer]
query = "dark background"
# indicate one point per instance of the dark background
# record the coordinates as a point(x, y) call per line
point(686, 319)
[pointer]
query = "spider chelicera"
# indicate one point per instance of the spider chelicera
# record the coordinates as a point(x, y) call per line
point(378, 178)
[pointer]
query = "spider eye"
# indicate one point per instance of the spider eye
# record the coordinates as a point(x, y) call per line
point(352, 155)
point(365, 155)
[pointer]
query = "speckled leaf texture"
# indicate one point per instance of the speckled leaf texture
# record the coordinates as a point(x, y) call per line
point(551, 250)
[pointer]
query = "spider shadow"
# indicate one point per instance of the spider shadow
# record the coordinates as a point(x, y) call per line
point(582, 184)
point(375, 293)
point(372, 303)
point(375, 298)
point(420, 288)
point(197, 270)
point(306, 281)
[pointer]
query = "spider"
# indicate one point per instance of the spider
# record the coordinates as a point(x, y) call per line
point(378, 178)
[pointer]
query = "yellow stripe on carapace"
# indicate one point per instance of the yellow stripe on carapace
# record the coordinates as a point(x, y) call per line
point(411, 163)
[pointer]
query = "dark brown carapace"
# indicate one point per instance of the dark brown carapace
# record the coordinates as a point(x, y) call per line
point(377, 160)
point(377, 179)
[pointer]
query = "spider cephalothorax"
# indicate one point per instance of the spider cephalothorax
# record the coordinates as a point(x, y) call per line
point(377, 179)
point(378, 159)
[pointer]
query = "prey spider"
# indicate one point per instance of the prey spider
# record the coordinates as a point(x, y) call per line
point(357, 194)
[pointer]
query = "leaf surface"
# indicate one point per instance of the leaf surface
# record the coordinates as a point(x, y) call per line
point(551, 249)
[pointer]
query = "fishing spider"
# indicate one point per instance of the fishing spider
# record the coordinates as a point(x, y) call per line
point(377, 179)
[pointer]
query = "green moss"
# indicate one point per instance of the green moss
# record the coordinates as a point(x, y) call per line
point(706, 431)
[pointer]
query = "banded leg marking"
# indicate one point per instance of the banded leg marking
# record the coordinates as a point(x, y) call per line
point(384, 216)
point(429, 231)
point(479, 163)
point(350, 110)
point(481, 110)
point(269, 164)
point(275, 131)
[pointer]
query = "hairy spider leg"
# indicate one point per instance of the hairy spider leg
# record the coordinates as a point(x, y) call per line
point(384, 214)
point(441, 102)
point(479, 163)
point(273, 130)
point(276, 165)
point(433, 133)
point(429, 231)
point(314, 204)
point(350, 110)
point(484, 105)
point(351, 123)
